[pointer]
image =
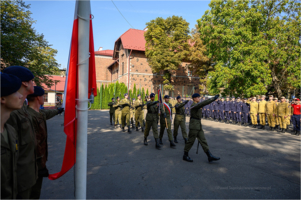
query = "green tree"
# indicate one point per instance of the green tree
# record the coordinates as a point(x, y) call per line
point(254, 46)
point(101, 97)
point(147, 92)
point(166, 45)
point(22, 45)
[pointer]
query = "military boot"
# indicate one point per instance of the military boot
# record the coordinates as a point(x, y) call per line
point(211, 157)
point(280, 130)
point(186, 140)
point(136, 128)
point(161, 142)
point(186, 157)
point(293, 132)
point(123, 129)
point(115, 126)
point(142, 129)
point(263, 127)
point(283, 130)
point(133, 127)
point(157, 144)
point(175, 138)
point(297, 133)
point(145, 141)
point(129, 130)
point(172, 145)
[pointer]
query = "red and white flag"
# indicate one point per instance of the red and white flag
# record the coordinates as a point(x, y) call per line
point(71, 94)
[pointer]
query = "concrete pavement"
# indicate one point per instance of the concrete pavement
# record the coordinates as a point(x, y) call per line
point(255, 164)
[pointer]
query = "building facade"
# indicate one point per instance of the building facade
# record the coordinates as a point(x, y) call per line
point(128, 64)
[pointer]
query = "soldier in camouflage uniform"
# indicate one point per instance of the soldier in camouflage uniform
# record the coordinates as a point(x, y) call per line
point(125, 113)
point(180, 120)
point(196, 130)
point(112, 111)
point(117, 107)
point(138, 105)
point(132, 113)
point(152, 120)
point(282, 111)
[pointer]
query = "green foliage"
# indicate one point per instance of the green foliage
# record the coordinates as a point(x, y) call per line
point(147, 93)
point(134, 92)
point(156, 97)
point(22, 45)
point(101, 96)
point(166, 45)
point(254, 46)
point(142, 94)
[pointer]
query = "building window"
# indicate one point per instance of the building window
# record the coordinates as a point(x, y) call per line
point(46, 97)
point(122, 68)
point(189, 73)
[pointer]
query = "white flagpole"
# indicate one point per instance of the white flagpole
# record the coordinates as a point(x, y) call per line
point(82, 103)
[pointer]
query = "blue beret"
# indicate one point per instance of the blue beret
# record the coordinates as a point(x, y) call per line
point(195, 95)
point(233, 97)
point(9, 84)
point(22, 73)
point(245, 99)
point(38, 91)
point(152, 95)
point(178, 97)
point(139, 95)
point(113, 98)
point(238, 98)
point(126, 94)
point(133, 99)
point(166, 97)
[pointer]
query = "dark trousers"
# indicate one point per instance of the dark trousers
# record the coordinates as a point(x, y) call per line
point(232, 115)
point(208, 113)
point(245, 117)
point(221, 115)
point(216, 114)
point(296, 122)
point(227, 114)
point(238, 117)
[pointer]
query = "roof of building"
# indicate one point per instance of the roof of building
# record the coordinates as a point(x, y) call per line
point(104, 52)
point(133, 39)
point(60, 85)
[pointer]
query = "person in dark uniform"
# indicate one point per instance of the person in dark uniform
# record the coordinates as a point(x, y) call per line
point(11, 100)
point(112, 111)
point(180, 119)
point(245, 112)
point(211, 111)
point(238, 109)
point(221, 108)
point(215, 110)
point(227, 110)
point(152, 120)
point(232, 110)
point(196, 130)
point(203, 109)
point(207, 110)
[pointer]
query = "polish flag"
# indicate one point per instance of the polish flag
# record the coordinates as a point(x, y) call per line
point(71, 94)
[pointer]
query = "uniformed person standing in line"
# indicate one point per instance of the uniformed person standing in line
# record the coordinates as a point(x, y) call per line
point(232, 110)
point(11, 100)
point(215, 110)
point(271, 112)
point(262, 111)
point(117, 113)
point(27, 173)
point(282, 114)
point(203, 109)
point(227, 110)
point(125, 113)
point(180, 120)
point(238, 110)
point(166, 115)
point(254, 111)
point(207, 109)
point(112, 111)
point(245, 112)
point(152, 120)
point(39, 118)
point(290, 112)
point(132, 113)
point(276, 118)
point(138, 105)
point(221, 108)
point(196, 130)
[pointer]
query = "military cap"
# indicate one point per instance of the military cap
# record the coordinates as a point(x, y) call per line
point(262, 96)
point(22, 73)
point(166, 97)
point(233, 97)
point(151, 95)
point(9, 84)
point(139, 95)
point(275, 98)
point(133, 99)
point(178, 97)
point(117, 97)
point(195, 95)
point(270, 95)
point(238, 97)
point(223, 98)
point(38, 91)
point(282, 97)
point(126, 94)
point(245, 99)
point(113, 98)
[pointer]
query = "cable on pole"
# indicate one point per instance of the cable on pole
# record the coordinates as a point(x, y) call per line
point(122, 14)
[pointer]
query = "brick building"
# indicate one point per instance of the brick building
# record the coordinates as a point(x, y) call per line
point(127, 63)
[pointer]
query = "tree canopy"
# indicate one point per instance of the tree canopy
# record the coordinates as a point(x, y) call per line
point(254, 46)
point(22, 45)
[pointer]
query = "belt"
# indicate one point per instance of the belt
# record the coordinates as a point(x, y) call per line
point(195, 118)
point(180, 114)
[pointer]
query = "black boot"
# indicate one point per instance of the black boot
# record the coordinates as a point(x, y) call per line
point(211, 157)
point(142, 129)
point(280, 130)
point(172, 145)
point(293, 132)
point(283, 130)
point(157, 144)
point(161, 142)
point(145, 141)
point(123, 129)
point(186, 140)
point(115, 126)
point(129, 130)
point(186, 157)
point(133, 127)
point(137, 128)
point(176, 141)
point(297, 133)
point(263, 127)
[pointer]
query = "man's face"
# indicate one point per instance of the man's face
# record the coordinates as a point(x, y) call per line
point(152, 98)
point(233, 99)
point(254, 99)
point(271, 98)
point(179, 100)
point(40, 100)
point(13, 101)
point(126, 96)
point(139, 97)
point(282, 99)
point(113, 100)
point(117, 99)
point(134, 101)
point(228, 99)
point(29, 86)
point(166, 100)
point(197, 99)
point(262, 98)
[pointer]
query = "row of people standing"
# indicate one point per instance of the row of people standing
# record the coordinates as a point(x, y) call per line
point(24, 148)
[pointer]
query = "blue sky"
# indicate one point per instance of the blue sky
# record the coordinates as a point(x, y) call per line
point(54, 19)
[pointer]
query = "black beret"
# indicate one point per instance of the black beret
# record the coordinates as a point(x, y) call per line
point(139, 95)
point(22, 73)
point(245, 99)
point(9, 84)
point(38, 91)
point(233, 97)
point(195, 95)
point(117, 97)
point(152, 95)
point(166, 97)
point(113, 98)
point(125, 94)
point(238, 98)
point(178, 97)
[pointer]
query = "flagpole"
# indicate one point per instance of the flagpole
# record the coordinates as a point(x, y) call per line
point(82, 103)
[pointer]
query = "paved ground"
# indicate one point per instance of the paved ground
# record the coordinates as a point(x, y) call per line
point(255, 164)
